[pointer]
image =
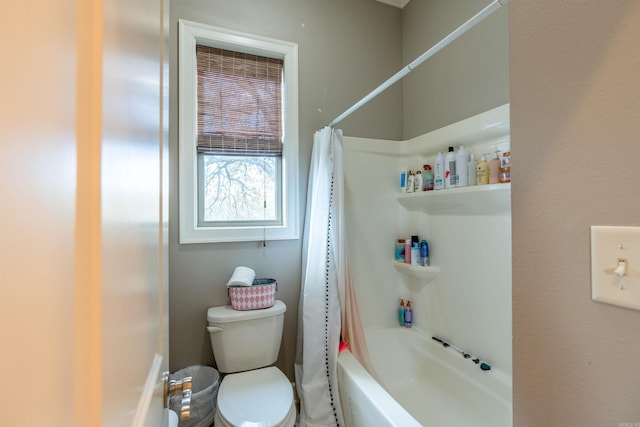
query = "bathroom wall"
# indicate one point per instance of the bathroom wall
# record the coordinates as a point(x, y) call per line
point(466, 78)
point(345, 50)
point(575, 127)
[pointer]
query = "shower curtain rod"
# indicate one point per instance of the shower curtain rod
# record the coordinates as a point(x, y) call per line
point(492, 7)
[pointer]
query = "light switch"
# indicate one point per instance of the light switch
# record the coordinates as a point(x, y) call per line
point(615, 265)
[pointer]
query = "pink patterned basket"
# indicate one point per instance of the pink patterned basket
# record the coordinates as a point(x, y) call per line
point(262, 294)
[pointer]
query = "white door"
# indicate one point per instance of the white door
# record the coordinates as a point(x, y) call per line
point(83, 258)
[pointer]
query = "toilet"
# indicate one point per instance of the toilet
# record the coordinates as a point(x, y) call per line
point(245, 344)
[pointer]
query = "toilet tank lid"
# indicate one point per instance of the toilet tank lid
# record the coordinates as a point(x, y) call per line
point(226, 314)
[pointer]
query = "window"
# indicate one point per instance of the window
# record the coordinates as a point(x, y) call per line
point(238, 136)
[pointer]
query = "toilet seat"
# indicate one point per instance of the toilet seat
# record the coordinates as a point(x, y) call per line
point(262, 397)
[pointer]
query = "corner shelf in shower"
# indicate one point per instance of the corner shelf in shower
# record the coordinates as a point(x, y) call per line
point(473, 200)
point(425, 274)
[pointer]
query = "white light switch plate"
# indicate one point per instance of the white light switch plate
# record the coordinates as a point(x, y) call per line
point(611, 246)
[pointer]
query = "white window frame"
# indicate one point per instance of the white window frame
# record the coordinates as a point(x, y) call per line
point(190, 34)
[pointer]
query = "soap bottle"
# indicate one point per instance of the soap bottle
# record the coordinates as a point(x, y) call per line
point(403, 180)
point(450, 169)
point(494, 169)
point(462, 167)
point(427, 178)
point(408, 315)
point(472, 169)
point(438, 175)
point(482, 171)
point(401, 313)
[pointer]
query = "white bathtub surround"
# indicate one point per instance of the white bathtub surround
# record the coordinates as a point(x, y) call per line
point(466, 297)
point(425, 385)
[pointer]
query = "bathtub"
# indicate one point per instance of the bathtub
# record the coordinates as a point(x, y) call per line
point(423, 384)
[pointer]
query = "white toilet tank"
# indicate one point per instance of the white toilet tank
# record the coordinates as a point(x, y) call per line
point(245, 340)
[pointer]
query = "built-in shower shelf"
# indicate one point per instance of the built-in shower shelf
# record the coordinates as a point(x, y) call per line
point(473, 200)
point(424, 274)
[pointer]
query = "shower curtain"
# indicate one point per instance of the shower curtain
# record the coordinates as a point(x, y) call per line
point(327, 305)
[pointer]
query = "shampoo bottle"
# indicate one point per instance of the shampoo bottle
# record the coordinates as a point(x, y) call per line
point(403, 180)
point(438, 175)
point(482, 171)
point(450, 169)
point(472, 169)
point(462, 167)
point(494, 169)
point(408, 315)
point(401, 313)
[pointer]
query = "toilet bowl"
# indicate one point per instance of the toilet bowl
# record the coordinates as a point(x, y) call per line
point(245, 344)
point(259, 398)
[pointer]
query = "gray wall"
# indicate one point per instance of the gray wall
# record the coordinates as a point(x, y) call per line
point(466, 78)
point(346, 48)
point(575, 131)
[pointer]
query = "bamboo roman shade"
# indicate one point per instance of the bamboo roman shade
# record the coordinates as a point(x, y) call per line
point(239, 103)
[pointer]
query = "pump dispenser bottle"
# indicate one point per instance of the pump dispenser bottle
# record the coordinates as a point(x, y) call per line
point(408, 315)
